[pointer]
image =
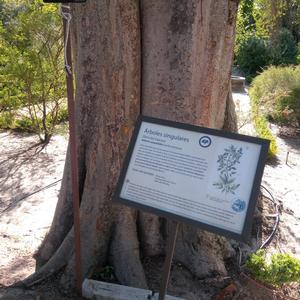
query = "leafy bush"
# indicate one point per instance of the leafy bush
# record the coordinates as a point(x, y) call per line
point(283, 49)
point(25, 124)
point(7, 120)
point(283, 107)
point(252, 56)
point(262, 129)
point(31, 64)
point(282, 269)
point(63, 115)
point(275, 94)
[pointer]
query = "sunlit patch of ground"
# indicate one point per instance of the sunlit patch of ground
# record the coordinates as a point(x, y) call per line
point(25, 216)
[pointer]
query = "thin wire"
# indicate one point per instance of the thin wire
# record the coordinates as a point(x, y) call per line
point(67, 16)
point(29, 195)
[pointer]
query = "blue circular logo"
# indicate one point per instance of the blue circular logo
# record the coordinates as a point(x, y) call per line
point(238, 205)
point(205, 141)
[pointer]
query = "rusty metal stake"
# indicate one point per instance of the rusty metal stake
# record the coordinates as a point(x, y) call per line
point(168, 261)
point(287, 158)
point(73, 146)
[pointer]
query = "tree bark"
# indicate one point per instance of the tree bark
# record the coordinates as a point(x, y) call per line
point(165, 58)
point(230, 120)
point(186, 60)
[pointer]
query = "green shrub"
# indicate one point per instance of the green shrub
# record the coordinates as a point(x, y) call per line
point(257, 265)
point(283, 107)
point(7, 120)
point(284, 49)
point(282, 269)
point(25, 124)
point(63, 115)
point(275, 93)
point(105, 273)
point(274, 79)
point(262, 129)
point(31, 64)
point(252, 56)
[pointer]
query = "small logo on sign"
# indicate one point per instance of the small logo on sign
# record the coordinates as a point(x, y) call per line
point(205, 141)
point(238, 205)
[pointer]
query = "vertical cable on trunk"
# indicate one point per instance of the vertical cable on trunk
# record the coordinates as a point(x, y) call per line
point(66, 15)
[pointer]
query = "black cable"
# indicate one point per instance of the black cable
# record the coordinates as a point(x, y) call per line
point(29, 195)
point(268, 240)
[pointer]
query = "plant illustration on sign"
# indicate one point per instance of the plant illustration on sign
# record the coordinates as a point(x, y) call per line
point(227, 167)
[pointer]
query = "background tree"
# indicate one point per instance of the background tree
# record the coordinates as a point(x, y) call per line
point(267, 34)
point(169, 59)
point(31, 65)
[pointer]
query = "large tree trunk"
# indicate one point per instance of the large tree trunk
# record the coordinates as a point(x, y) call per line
point(164, 58)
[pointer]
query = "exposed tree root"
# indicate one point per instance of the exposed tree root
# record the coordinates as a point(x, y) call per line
point(150, 232)
point(125, 250)
point(56, 262)
point(201, 252)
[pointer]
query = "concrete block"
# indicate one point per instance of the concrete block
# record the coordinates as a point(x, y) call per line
point(92, 289)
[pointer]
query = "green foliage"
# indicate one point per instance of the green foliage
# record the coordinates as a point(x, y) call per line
point(267, 33)
point(283, 107)
point(25, 124)
point(245, 24)
point(268, 16)
point(262, 129)
point(282, 269)
point(275, 94)
point(6, 120)
point(106, 274)
point(284, 48)
point(253, 55)
point(291, 18)
point(31, 63)
point(257, 265)
point(63, 114)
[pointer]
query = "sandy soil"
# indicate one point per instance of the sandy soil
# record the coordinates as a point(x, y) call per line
point(29, 184)
point(281, 178)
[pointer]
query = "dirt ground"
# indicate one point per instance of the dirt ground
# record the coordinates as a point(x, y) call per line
point(30, 181)
point(281, 177)
point(29, 184)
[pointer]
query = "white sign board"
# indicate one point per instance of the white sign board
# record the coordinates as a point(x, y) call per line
point(206, 177)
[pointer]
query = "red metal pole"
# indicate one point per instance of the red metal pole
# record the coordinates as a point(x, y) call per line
point(73, 149)
point(168, 261)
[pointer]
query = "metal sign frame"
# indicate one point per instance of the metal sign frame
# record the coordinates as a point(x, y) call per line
point(213, 132)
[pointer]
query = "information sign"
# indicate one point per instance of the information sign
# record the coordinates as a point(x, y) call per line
point(206, 177)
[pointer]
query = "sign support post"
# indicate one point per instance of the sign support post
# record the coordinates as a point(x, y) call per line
point(201, 176)
point(168, 261)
